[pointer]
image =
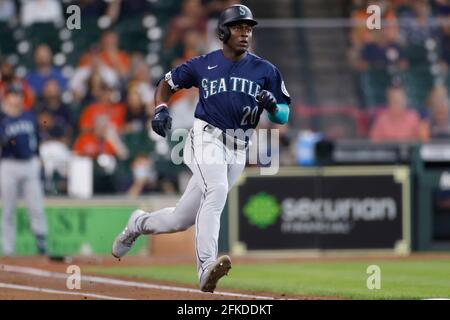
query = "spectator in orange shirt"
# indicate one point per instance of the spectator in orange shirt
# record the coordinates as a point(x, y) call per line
point(103, 106)
point(360, 34)
point(363, 38)
point(397, 123)
point(93, 144)
point(110, 54)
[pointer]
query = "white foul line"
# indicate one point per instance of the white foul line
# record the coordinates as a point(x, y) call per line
point(52, 291)
point(117, 282)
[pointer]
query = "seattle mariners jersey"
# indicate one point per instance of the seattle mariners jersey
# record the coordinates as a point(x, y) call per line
point(228, 89)
point(19, 136)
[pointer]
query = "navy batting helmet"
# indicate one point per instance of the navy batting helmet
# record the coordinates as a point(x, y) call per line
point(235, 13)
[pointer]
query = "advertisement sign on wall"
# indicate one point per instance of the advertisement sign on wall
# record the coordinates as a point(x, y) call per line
point(322, 209)
point(77, 230)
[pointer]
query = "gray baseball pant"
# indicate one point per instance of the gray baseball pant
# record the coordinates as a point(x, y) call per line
point(215, 168)
point(16, 176)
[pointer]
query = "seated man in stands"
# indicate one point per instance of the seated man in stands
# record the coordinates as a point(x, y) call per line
point(53, 114)
point(100, 126)
point(416, 24)
point(104, 105)
point(44, 71)
point(397, 123)
point(104, 146)
point(110, 54)
point(367, 44)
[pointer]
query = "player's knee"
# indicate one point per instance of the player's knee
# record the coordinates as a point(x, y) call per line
point(218, 190)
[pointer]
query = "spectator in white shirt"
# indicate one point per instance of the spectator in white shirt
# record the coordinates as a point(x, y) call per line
point(34, 11)
point(79, 82)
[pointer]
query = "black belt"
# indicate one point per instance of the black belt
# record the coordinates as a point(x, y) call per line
point(226, 138)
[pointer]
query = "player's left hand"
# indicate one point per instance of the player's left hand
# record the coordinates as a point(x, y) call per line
point(162, 121)
point(267, 101)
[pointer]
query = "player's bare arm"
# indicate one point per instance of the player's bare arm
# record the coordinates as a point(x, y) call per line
point(163, 93)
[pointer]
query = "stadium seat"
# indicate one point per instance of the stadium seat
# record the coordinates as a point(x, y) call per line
point(416, 54)
point(418, 82)
point(84, 38)
point(373, 83)
point(133, 35)
point(44, 33)
point(138, 143)
point(7, 41)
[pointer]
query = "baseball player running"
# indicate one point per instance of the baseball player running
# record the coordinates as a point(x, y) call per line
point(235, 87)
point(20, 170)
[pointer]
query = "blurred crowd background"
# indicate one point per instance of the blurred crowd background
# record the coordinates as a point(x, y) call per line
point(93, 88)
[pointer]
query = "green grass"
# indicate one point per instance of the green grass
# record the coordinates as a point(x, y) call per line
point(399, 279)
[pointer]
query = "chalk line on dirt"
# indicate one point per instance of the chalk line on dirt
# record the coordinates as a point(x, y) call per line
point(52, 291)
point(124, 283)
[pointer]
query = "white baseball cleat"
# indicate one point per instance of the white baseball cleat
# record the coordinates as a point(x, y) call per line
point(126, 239)
point(214, 272)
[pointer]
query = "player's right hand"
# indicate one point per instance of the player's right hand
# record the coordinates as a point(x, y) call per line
point(162, 121)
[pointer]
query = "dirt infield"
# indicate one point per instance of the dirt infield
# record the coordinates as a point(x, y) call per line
point(41, 278)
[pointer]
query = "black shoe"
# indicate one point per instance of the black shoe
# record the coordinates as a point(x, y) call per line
point(41, 245)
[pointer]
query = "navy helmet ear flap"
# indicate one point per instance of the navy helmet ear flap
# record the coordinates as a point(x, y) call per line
point(224, 33)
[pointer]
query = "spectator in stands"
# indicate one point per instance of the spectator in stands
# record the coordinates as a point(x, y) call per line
point(215, 7)
point(44, 71)
point(383, 52)
point(133, 8)
point(438, 108)
point(97, 141)
point(360, 34)
point(397, 123)
point(374, 47)
point(35, 11)
point(7, 10)
point(416, 26)
point(443, 12)
point(193, 44)
point(136, 116)
point(104, 106)
point(192, 16)
point(136, 126)
point(88, 77)
point(55, 154)
point(144, 175)
point(91, 8)
point(55, 117)
point(55, 132)
point(95, 114)
point(110, 54)
point(141, 80)
point(8, 78)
